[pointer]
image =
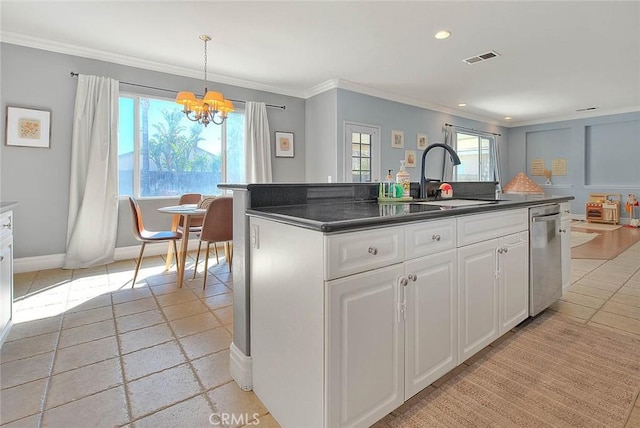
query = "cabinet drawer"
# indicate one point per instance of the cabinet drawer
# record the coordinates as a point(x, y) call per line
point(431, 237)
point(355, 252)
point(6, 224)
point(480, 227)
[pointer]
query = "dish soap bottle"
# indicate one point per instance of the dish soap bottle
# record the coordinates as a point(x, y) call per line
point(404, 178)
point(389, 185)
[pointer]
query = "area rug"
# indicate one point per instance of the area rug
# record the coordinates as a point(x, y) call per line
point(553, 372)
point(595, 226)
point(579, 238)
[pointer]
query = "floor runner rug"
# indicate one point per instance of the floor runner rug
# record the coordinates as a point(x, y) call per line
point(553, 372)
point(579, 238)
point(595, 226)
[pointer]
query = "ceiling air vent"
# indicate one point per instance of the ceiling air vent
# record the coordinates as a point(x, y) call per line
point(482, 57)
point(587, 109)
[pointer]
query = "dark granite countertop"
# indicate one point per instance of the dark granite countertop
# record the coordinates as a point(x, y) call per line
point(343, 216)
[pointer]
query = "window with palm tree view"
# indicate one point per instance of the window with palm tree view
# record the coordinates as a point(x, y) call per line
point(162, 153)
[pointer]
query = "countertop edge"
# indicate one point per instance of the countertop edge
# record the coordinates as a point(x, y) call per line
point(7, 206)
point(365, 223)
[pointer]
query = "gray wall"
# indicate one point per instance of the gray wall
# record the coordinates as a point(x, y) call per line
point(320, 124)
point(39, 178)
point(389, 116)
point(602, 153)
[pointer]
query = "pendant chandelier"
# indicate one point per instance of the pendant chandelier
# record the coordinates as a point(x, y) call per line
point(212, 107)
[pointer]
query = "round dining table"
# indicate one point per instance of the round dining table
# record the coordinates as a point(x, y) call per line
point(187, 211)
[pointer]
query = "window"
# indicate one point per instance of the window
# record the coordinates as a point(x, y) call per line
point(361, 153)
point(477, 157)
point(162, 153)
point(360, 157)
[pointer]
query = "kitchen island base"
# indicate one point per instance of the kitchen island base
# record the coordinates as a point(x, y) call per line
point(343, 324)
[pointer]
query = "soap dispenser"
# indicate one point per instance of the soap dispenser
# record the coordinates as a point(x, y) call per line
point(404, 179)
point(389, 185)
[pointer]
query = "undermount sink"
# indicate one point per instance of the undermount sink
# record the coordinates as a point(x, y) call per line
point(455, 202)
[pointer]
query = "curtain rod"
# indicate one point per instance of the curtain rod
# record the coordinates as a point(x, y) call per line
point(74, 74)
point(471, 129)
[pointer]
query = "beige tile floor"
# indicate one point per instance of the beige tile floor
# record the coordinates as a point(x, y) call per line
point(88, 350)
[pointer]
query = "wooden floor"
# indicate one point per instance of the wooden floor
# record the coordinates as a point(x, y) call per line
point(608, 245)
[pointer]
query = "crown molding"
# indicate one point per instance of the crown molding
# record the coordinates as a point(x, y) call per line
point(75, 50)
point(390, 96)
point(321, 87)
point(584, 115)
point(69, 49)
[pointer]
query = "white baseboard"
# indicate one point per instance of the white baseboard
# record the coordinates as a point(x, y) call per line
point(241, 368)
point(55, 261)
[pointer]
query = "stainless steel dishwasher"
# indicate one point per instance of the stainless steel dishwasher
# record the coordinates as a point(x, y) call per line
point(545, 258)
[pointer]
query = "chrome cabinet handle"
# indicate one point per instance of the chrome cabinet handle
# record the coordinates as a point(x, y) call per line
point(404, 282)
point(413, 277)
point(563, 230)
point(373, 250)
point(7, 225)
point(435, 237)
point(502, 250)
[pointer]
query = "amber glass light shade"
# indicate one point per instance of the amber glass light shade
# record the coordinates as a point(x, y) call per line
point(226, 108)
point(214, 99)
point(185, 98)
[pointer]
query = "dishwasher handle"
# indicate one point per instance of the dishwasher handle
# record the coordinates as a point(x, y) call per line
point(547, 217)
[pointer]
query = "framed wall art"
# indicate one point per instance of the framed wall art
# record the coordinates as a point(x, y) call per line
point(422, 141)
point(284, 145)
point(397, 139)
point(28, 127)
point(410, 158)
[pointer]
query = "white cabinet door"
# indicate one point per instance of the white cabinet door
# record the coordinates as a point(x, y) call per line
point(477, 297)
point(431, 329)
point(513, 255)
point(6, 285)
point(365, 367)
point(565, 252)
point(6, 273)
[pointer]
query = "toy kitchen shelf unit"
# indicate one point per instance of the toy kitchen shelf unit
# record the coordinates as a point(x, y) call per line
point(603, 208)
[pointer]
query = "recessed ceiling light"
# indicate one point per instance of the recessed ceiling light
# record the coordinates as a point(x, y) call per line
point(462, 105)
point(440, 35)
point(507, 118)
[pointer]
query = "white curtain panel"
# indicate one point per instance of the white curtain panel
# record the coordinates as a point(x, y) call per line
point(497, 169)
point(93, 195)
point(447, 165)
point(257, 143)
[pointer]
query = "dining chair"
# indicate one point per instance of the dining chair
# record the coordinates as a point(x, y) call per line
point(143, 235)
point(204, 204)
point(195, 225)
point(217, 226)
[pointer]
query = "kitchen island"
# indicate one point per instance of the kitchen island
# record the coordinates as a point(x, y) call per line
point(356, 306)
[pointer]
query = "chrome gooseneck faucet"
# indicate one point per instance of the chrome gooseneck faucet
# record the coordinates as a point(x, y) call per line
point(423, 180)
